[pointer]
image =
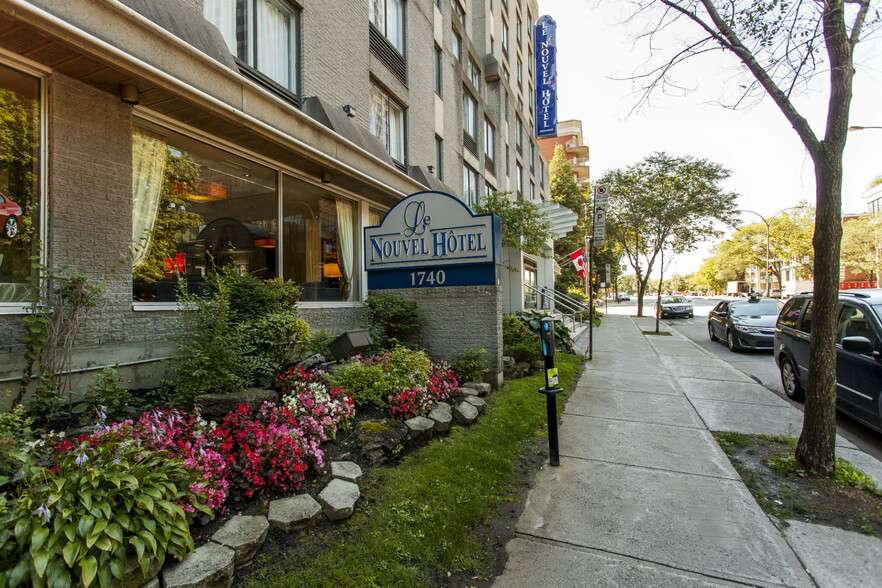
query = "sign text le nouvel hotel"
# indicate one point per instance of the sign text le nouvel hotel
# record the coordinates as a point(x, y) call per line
point(432, 239)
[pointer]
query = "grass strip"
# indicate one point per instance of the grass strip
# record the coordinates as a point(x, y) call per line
point(417, 518)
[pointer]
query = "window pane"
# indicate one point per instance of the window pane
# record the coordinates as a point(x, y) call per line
point(396, 132)
point(380, 115)
point(222, 14)
point(19, 181)
point(437, 71)
point(395, 31)
point(387, 123)
point(211, 209)
point(275, 43)
point(377, 14)
point(318, 231)
point(439, 159)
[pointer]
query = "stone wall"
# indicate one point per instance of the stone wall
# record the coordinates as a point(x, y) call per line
point(460, 318)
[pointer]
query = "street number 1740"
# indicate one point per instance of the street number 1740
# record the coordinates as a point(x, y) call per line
point(427, 278)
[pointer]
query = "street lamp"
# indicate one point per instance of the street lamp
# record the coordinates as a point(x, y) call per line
point(768, 223)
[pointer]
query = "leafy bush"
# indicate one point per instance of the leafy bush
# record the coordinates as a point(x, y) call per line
point(319, 408)
point(392, 317)
point(320, 343)
point(79, 519)
point(409, 402)
point(15, 431)
point(367, 383)
point(563, 341)
point(410, 367)
point(267, 452)
point(442, 381)
point(105, 399)
point(469, 365)
point(518, 341)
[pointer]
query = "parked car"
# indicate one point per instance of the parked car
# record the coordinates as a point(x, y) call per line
point(858, 352)
point(623, 297)
point(744, 324)
point(10, 217)
point(673, 306)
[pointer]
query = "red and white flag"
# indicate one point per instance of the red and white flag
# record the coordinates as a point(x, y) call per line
point(579, 261)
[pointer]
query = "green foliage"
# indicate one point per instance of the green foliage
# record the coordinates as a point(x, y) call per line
point(368, 384)
point(79, 521)
point(470, 365)
point(392, 317)
point(849, 475)
point(409, 367)
point(524, 225)
point(563, 340)
point(15, 430)
point(859, 250)
point(518, 341)
point(320, 342)
point(107, 397)
point(242, 330)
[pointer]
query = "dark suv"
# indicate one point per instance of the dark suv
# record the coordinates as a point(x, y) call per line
point(858, 352)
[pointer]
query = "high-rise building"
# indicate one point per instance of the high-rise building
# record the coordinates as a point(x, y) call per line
point(569, 135)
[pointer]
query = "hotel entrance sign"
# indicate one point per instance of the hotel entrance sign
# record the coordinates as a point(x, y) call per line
point(432, 239)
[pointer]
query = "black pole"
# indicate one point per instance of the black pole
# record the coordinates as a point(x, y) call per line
point(551, 389)
point(590, 297)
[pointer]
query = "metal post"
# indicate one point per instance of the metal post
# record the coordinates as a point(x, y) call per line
point(551, 389)
point(590, 298)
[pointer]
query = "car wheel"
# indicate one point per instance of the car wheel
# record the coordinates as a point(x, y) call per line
point(691, 315)
point(730, 341)
point(790, 381)
point(10, 229)
point(710, 332)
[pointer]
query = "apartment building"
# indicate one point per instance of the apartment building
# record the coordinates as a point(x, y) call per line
point(150, 139)
point(569, 136)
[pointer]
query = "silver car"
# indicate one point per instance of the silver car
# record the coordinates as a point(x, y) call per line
point(674, 306)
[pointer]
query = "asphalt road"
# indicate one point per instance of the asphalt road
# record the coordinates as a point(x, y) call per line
point(759, 365)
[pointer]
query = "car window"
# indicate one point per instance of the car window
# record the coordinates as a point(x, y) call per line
point(878, 309)
point(673, 300)
point(790, 314)
point(761, 308)
point(854, 323)
point(721, 307)
point(807, 318)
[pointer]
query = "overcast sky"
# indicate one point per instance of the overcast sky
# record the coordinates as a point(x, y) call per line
point(770, 168)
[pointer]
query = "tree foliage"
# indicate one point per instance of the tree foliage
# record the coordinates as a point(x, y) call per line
point(859, 250)
point(565, 191)
point(524, 225)
point(665, 202)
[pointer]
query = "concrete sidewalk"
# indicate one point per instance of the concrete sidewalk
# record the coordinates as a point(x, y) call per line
point(644, 496)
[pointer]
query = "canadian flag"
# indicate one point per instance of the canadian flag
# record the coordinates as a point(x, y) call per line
point(579, 261)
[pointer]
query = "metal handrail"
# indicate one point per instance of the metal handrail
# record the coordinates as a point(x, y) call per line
point(574, 309)
point(575, 302)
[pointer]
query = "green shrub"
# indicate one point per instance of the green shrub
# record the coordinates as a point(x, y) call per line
point(392, 317)
point(518, 341)
point(78, 522)
point(563, 341)
point(469, 365)
point(320, 343)
point(409, 367)
point(368, 384)
point(106, 396)
point(15, 431)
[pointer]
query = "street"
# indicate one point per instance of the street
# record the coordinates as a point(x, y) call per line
point(759, 365)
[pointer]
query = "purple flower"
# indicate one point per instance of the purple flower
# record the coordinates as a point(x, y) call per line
point(81, 459)
point(44, 512)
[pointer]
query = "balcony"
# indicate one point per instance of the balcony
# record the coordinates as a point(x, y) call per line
point(580, 168)
point(574, 150)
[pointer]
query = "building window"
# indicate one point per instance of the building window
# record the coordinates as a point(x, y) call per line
point(438, 79)
point(388, 17)
point(518, 35)
point(507, 160)
point(488, 190)
point(458, 12)
point(469, 114)
point(520, 73)
point(469, 185)
point(519, 135)
point(504, 38)
point(532, 156)
point(387, 123)
point(489, 140)
point(20, 160)
point(456, 45)
point(439, 158)
point(262, 34)
point(519, 179)
point(532, 191)
point(473, 73)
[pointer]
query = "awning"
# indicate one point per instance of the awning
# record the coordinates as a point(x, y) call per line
point(562, 219)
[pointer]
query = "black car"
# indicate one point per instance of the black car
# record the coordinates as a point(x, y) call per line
point(744, 324)
point(858, 352)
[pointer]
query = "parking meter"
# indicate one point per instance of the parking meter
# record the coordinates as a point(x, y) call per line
point(551, 390)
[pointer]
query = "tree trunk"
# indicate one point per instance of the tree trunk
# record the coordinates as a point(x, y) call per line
point(661, 280)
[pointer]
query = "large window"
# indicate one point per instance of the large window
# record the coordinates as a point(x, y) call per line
point(505, 38)
point(474, 73)
point(456, 45)
point(469, 185)
point(388, 17)
point(469, 114)
point(438, 79)
point(489, 140)
point(196, 208)
point(262, 34)
point(439, 158)
point(519, 178)
point(387, 123)
point(20, 141)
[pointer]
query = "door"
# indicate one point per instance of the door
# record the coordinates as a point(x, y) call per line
point(717, 319)
point(858, 379)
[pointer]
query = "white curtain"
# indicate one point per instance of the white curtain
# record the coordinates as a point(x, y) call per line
point(222, 14)
point(273, 49)
point(346, 245)
point(396, 24)
point(148, 166)
point(374, 217)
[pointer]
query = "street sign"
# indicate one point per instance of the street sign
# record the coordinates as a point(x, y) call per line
point(624, 268)
point(600, 199)
point(607, 273)
point(603, 284)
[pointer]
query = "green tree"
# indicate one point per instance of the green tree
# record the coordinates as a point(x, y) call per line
point(782, 46)
point(665, 202)
point(524, 226)
point(565, 191)
point(859, 251)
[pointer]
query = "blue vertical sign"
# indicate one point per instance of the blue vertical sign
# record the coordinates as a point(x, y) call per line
point(546, 77)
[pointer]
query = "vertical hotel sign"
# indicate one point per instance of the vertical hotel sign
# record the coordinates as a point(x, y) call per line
point(546, 77)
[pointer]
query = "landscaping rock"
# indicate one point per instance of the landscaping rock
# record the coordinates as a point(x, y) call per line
point(292, 513)
point(210, 566)
point(466, 391)
point(507, 361)
point(483, 388)
point(154, 583)
point(478, 403)
point(133, 578)
point(442, 417)
point(312, 362)
point(244, 535)
point(345, 470)
point(515, 370)
point(338, 499)
point(217, 406)
point(381, 440)
point(420, 429)
point(465, 413)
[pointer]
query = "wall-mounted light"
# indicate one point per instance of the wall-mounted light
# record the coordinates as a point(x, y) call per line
point(431, 169)
point(349, 110)
point(128, 93)
point(326, 177)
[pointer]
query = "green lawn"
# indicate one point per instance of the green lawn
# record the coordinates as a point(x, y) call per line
point(418, 517)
